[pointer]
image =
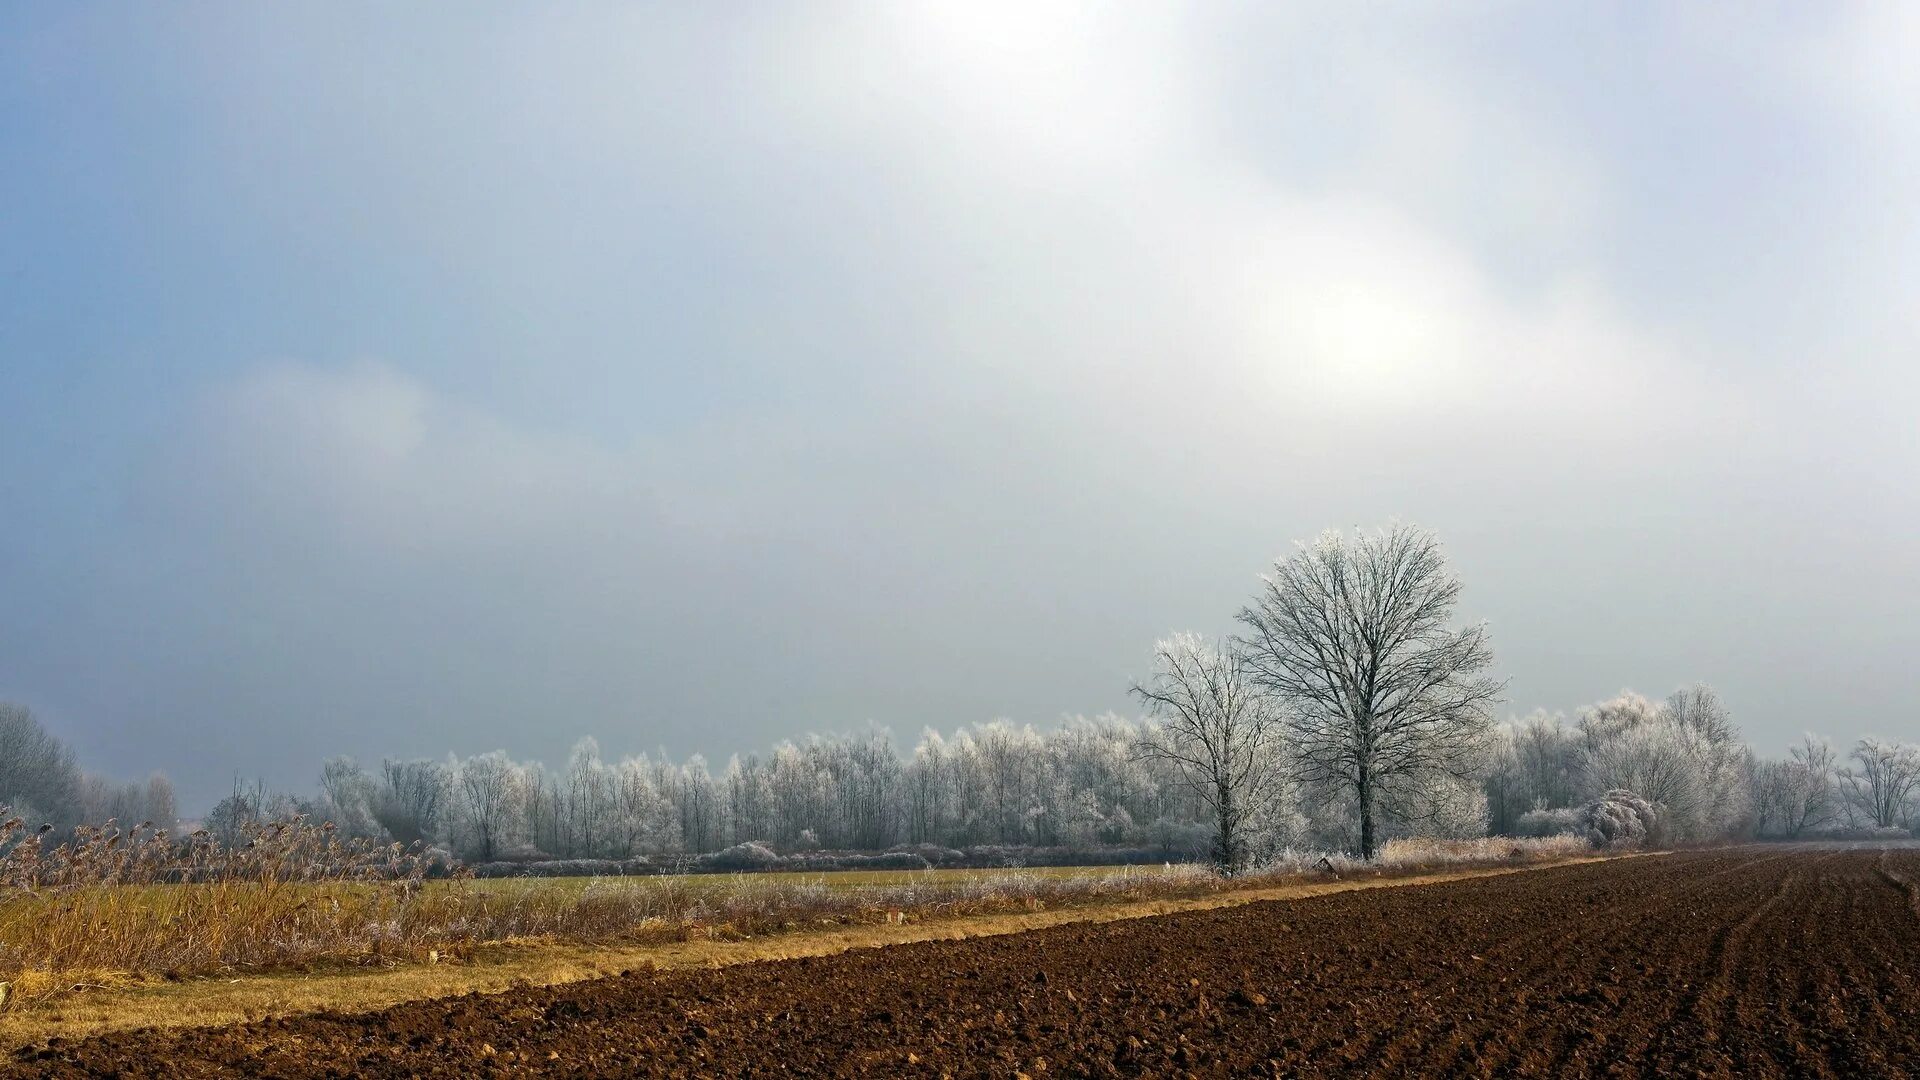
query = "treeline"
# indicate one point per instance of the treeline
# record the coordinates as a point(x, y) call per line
point(1082, 785)
point(1812, 793)
point(1686, 758)
point(990, 789)
point(1350, 709)
point(41, 781)
point(1085, 785)
point(998, 788)
point(1088, 785)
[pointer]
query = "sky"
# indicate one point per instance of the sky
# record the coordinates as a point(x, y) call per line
point(393, 381)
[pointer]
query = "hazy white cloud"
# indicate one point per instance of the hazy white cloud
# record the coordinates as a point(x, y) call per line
point(373, 458)
point(737, 375)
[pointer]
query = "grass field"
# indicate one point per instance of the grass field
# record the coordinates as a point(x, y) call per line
point(223, 999)
point(113, 913)
point(832, 880)
point(295, 900)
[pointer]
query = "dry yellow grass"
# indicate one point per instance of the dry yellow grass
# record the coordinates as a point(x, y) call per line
point(122, 1003)
point(111, 908)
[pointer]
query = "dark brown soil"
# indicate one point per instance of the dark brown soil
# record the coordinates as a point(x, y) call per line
point(1750, 962)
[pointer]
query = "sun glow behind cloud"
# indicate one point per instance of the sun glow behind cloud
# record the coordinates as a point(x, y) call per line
point(652, 374)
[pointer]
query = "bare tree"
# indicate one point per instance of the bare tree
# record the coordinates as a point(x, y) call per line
point(411, 799)
point(1353, 637)
point(1220, 734)
point(488, 784)
point(37, 770)
point(1684, 756)
point(639, 808)
point(1888, 775)
point(349, 794)
point(1534, 766)
point(249, 804)
point(1796, 795)
point(102, 800)
point(162, 809)
point(1698, 708)
point(589, 800)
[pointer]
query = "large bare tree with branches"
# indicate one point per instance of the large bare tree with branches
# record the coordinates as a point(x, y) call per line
point(1353, 637)
point(1221, 735)
point(1888, 775)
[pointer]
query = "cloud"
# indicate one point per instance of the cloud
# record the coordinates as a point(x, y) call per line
point(368, 457)
point(1102, 309)
point(737, 376)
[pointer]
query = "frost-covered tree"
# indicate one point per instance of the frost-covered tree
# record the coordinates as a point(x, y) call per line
point(640, 809)
point(36, 769)
point(865, 774)
point(1220, 734)
point(589, 802)
point(927, 786)
point(1355, 638)
point(1795, 796)
point(150, 801)
point(1533, 767)
point(696, 805)
point(488, 787)
point(1007, 761)
point(412, 798)
point(1684, 756)
point(348, 797)
point(985, 786)
point(1882, 781)
point(1450, 808)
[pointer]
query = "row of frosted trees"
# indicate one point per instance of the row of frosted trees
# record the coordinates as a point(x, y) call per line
point(41, 780)
point(1685, 757)
point(1814, 792)
point(1087, 784)
point(1082, 785)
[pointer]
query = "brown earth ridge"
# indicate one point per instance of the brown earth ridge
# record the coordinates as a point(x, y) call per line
point(1750, 962)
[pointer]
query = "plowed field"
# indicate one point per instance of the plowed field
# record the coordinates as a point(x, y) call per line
point(1748, 962)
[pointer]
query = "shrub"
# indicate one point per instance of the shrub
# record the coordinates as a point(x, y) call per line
point(934, 854)
point(547, 868)
point(1559, 821)
point(1619, 818)
point(1865, 832)
point(751, 855)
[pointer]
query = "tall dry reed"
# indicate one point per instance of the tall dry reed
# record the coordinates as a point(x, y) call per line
point(111, 904)
point(108, 902)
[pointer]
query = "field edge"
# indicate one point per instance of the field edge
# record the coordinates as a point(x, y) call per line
point(221, 1001)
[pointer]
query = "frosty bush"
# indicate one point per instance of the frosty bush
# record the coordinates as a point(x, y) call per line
point(747, 856)
point(563, 868)
point(828, 861)
point(1619, 818)
point(1559, 821)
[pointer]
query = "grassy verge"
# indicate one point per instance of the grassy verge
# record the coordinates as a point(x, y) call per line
point(136, 1003)
point(126, 929)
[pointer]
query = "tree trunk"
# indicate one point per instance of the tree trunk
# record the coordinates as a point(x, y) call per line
point(1364, 790)
point(1226, 854)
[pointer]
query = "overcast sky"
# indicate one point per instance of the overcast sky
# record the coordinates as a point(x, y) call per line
point(396, 380)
